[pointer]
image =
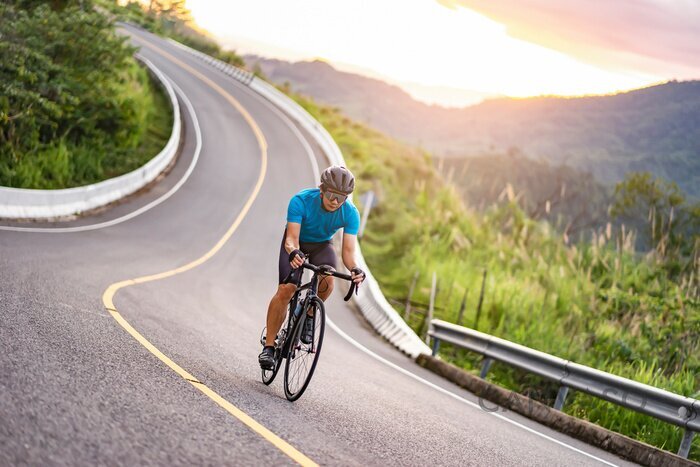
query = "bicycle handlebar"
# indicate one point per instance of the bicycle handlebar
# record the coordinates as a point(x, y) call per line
point(326, 270)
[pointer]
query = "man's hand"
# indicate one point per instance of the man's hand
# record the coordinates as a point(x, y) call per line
point(296, 259)
point(358, 275)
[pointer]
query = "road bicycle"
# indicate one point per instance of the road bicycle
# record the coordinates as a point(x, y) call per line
point(300, 357)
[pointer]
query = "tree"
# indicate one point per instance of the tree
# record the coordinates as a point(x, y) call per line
point(170, 12)
point(63, 71)
point(672, 224)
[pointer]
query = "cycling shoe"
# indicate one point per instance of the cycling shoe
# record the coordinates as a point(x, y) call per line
point(266, 359)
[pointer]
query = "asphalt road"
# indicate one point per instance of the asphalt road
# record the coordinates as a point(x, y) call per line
point(78, 389)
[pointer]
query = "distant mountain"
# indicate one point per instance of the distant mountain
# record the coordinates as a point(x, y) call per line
point(386, 107)
point(654, 129)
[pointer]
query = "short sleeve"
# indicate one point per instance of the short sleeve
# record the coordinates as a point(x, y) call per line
point(352, 223)
point(295, 210)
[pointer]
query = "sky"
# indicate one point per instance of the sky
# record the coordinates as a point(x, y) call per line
point(455, 52)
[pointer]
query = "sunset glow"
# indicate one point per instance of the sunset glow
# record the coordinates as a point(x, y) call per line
point(421, 41)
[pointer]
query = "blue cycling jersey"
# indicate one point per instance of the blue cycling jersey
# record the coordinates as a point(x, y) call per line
point(317, 224)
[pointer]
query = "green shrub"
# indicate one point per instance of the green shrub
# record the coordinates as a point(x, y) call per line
point(75, 106)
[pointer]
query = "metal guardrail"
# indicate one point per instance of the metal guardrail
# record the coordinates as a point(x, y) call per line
point(664, 405)
point(19, 203)
point(371, 302)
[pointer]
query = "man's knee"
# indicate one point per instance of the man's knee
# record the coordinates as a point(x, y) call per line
point(286, 291)
point(325, 287)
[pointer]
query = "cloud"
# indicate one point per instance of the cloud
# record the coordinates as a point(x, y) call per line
point(659, 37)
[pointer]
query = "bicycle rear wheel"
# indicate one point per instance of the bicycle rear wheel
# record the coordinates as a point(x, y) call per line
point(302, 358)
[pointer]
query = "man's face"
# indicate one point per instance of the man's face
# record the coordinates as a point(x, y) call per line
point(332, 200)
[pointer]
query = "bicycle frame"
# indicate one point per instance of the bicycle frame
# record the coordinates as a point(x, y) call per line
point(312, 287)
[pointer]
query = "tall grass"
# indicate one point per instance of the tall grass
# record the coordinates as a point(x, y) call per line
point(598, 303)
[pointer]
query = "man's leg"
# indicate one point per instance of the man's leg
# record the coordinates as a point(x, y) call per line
point(278, 304)
point(277, 310)
point(325, 287)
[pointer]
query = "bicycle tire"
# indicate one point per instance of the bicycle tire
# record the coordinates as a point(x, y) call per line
point(298, 370)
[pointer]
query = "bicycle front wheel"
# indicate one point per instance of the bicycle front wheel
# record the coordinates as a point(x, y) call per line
point(302, 358)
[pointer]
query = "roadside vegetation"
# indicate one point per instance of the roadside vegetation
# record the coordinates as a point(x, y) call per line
point(75, 106)
point(598, 302)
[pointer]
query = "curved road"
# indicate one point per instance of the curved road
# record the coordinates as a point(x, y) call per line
point(78, 389)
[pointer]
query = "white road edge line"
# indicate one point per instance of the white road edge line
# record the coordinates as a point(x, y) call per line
point(341, 333)
point(142, 209)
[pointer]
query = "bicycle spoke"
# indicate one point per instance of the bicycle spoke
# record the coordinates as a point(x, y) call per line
point(300, 363)
point(295, 375)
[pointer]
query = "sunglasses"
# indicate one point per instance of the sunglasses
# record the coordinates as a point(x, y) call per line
point(330, 196)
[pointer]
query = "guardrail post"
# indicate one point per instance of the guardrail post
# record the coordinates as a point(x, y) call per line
point(436, 346)
point(485, 367)
point(462, 307)
point(429, 318)
point(561, 397)
point(369, 200)
point(407, 313)
point(684, 448)
point(481, 302)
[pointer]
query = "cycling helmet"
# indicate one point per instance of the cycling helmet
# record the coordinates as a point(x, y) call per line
point(339, 179)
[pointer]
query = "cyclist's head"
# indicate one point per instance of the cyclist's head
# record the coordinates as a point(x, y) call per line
point(338, 179)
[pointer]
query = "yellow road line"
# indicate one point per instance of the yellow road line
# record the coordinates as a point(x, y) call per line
point(108, 296)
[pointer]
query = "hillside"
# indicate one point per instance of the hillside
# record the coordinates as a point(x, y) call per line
point(570, 200)
point(653, 129)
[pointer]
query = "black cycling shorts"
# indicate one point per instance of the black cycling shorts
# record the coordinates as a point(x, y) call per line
point(318, 254)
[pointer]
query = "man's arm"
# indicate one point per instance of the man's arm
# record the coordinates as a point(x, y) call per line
point(348, 253)
point(291, 243)
point(349, 242)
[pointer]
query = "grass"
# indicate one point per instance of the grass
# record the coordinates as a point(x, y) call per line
point(598, 303)
point(157, 124)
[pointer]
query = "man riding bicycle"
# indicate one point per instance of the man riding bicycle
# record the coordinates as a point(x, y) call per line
point(313, 216)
